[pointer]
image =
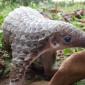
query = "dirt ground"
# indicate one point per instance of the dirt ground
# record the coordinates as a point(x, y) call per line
point(41, 82)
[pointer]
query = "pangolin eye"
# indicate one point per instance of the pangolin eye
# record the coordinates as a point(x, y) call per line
point(67, 39)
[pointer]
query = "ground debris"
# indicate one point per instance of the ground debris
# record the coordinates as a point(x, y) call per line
point(4, 68)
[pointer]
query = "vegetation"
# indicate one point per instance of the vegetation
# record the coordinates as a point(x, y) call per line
point(53, 10)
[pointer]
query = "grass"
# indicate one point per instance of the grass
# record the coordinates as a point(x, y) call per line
point(73, 7)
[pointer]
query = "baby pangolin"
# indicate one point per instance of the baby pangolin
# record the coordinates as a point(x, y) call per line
point(30, 35)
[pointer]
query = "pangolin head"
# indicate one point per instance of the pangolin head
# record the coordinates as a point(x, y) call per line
point(65, 35)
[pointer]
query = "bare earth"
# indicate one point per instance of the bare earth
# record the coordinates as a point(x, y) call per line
point(42, 82)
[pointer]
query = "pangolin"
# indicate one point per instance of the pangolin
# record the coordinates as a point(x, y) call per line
point(30, 35)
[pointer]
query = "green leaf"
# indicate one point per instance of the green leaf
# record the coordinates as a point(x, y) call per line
point(68, 51)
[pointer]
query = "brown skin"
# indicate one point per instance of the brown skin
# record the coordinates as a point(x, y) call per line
point(70, 71)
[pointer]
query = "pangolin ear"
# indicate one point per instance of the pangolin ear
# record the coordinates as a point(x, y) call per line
point(54, 40)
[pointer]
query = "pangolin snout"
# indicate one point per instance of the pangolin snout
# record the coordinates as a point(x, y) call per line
point(81, 41)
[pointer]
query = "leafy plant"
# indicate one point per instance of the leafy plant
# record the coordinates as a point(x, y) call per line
point(1, 37)
point(1, 19)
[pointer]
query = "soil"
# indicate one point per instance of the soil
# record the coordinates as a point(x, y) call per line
point(41, 82)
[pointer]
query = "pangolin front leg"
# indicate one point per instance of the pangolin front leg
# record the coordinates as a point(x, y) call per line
point(47, 60)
